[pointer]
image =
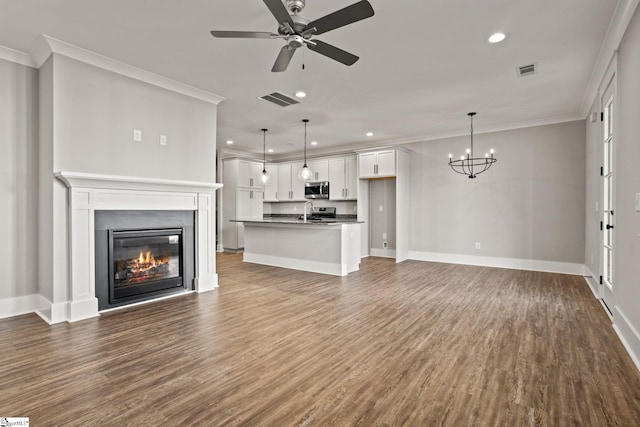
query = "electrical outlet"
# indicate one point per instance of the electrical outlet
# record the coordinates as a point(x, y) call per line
point(477, 245)
point(137, 135)
point(163, 139)
point(385, 245)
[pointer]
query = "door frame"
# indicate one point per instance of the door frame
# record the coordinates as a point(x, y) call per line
point(606, 291)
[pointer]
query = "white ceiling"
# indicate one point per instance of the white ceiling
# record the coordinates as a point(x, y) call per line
point(423, 64)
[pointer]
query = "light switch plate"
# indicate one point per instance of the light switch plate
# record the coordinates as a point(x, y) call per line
point(137, 135)
point(163, 139)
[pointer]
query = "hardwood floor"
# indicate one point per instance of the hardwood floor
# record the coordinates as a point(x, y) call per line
point(411, 344)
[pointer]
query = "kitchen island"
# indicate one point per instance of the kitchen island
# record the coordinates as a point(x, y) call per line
point(328, 247)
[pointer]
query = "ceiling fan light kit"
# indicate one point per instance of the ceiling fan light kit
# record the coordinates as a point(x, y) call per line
point(298, 31)
point(470, 165)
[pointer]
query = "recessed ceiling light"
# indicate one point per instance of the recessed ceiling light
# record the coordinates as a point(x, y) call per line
point(496, 38)
point(369, 133)
point(300, 94)
point(270, 150)
point(314, 142)
point(229, 142)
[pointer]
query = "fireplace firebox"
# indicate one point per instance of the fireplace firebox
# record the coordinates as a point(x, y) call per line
point(144, 261)
point(141, 255)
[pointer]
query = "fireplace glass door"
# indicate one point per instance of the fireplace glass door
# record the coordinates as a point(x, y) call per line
point(144, 261)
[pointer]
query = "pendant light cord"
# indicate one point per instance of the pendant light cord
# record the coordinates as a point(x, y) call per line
point(305, 141)
point(264, 149)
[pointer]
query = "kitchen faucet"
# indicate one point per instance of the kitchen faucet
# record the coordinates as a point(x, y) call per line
point(308, 202)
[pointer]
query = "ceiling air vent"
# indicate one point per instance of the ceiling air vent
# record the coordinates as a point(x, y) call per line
point(279, 99)
point(526, 70)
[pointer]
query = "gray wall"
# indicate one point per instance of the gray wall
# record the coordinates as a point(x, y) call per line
point(529, 205)
point(627, 237)
point(18, 183)
point(96, 112)
point(382, 192)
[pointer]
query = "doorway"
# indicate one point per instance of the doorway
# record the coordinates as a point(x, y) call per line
point(609, 139)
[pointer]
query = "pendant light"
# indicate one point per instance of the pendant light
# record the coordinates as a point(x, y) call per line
point(264, 177)
point(469, 165)
point(305, 173)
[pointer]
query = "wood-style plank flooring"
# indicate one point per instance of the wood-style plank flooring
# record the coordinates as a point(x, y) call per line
point(410, 344)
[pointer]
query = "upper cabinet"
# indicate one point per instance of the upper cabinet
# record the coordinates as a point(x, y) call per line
point(248, 173)
point(377, 164)
point(319, 170)
point(271, 187)
point(290, 185)
point(343, 178)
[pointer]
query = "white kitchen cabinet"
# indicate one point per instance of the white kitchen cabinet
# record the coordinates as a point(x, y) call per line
point(377, 164)
point(319, 170)
point(249, 173)
point(271, 187)
point(290, 185)
point(242, 197)
point(343, 178)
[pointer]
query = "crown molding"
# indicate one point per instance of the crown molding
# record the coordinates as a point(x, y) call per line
point(16, 57)
point(46, 46)
point(617, 28)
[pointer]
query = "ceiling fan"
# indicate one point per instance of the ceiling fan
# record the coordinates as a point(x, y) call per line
point(297, 30)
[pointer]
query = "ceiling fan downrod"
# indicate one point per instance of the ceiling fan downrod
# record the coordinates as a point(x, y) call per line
point(295, 6)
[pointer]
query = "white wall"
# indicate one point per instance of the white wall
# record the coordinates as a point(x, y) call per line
point(529, 205)
point(18, 182)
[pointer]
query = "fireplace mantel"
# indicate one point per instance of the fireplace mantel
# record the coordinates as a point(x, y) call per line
point(91, 192)
point(89, 180)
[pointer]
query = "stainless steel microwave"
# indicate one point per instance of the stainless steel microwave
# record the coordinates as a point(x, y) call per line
point(316, 190)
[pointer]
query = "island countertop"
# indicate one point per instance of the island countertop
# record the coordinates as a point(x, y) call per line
point(336, 221)
point(298, 219)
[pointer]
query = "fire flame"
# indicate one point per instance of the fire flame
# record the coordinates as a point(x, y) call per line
point(147, 261)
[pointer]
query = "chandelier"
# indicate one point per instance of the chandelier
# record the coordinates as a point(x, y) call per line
point(469, 165)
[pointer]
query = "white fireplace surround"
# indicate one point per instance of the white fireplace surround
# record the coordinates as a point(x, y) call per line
point(91, 192)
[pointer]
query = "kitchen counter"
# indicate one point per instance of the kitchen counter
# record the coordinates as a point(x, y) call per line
point(295, 220)
point(328, 246)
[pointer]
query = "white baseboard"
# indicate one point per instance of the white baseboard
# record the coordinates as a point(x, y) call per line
point(628, 335)
point(16, 306)
point(384, 253)
point(511, 263)
point(295, 264)
point(590, 278)
point(206, 283)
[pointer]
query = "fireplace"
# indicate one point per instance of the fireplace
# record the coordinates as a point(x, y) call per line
point(142, 255)
point(144, 261)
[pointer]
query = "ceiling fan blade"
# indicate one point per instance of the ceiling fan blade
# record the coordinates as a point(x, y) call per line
point(283, 59)
point(340, 18)
point(244, 34)
point(332, 52)
point(279, 12)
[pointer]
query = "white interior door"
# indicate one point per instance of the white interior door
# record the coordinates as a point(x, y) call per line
point(608, 191)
